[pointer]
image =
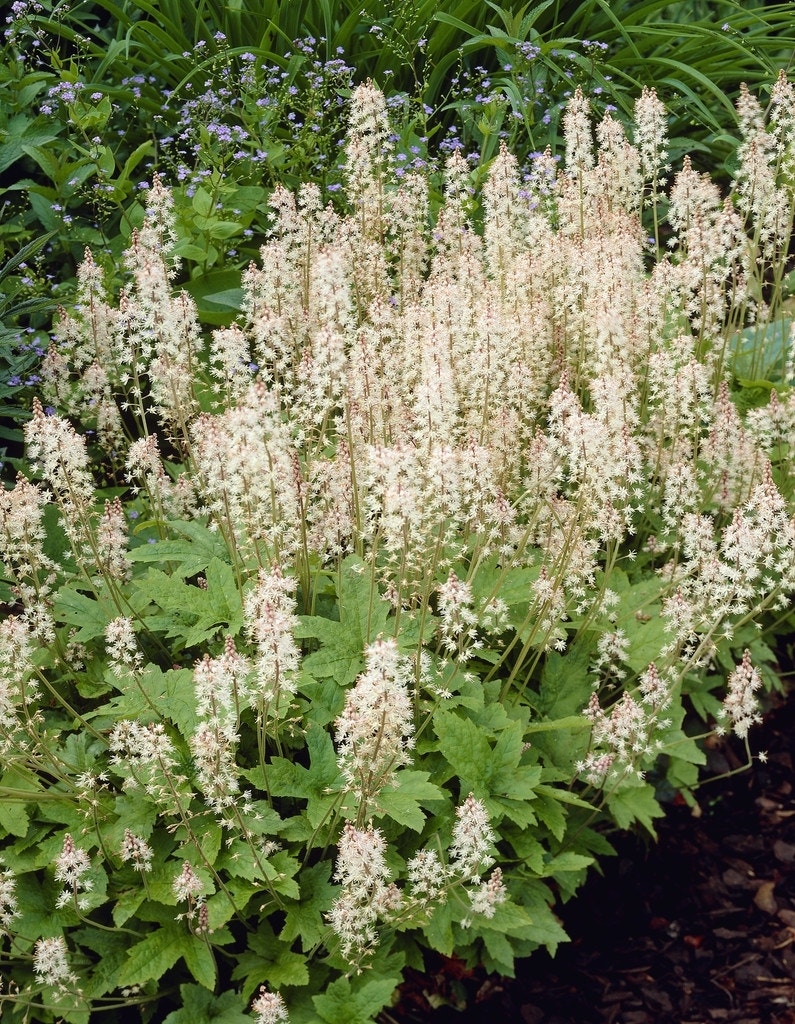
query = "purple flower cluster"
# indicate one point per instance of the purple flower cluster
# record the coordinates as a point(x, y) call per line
point(63, 94)
point(18, 20)
point(249, 113)
point(530, 88)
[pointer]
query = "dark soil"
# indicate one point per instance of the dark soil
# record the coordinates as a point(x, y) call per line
point(698, 928)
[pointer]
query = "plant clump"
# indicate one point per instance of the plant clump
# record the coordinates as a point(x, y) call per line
point(349, 631)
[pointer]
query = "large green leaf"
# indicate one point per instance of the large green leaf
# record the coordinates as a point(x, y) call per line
point(318, 784)
point(91, 614)
point(200, 961)
point(633, 801)
point(565, 683)
point(20, 133)
point(758, 354)
point(403, 802)
point(188, 556)
point(149, 959)
point(354, 1002)
point(218, 295)
point(363, 616)
point(267, 957)
point(493, 772)
point(155, 693)
point(466, 749)
point(194, 614)
point(202, 1007)
point(305, 918)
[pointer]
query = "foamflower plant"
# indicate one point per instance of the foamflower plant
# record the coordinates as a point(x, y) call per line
point(348, 632)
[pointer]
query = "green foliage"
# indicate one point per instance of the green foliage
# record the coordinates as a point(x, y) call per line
point(200, 1005)
point(347, 1002)
point(332, 643)
point(20, 350)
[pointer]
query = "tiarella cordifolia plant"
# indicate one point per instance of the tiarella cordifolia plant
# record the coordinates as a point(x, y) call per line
point(347, 632)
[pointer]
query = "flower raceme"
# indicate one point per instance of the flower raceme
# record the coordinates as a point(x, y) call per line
point(187, 885)
point(473, 838)
point(740, 706)
point(367, 893)
point(374, 733)
point(269, 1008)
point(136, 850)
point(369, 896)
point(9, 905)
point(71, 867)
point(51, 963)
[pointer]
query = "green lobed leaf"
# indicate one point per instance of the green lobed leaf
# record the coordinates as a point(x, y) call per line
point(509, 918)
point(439, 929)
point(363, 616)
point(565, 862)
point(127, 904)
point(403, 801)
point(187, 557)
point(354, 1002)
point(91, 614)
point(325, 698)
point(200, 961)
point(149, 959)
point(202, 1007)
point(304, 918)
point(495, 771)
point(269, 958)
point(465, 748)
point(318, 784)
point(195, 614)
point(549, 810)
point(280, 869)
point(36, 895)
point(634, 801)
point(136, 812)
point(14, 819)
point(512, 586)
point(682, 776)
point(518, 811)
point(104, 975)
point(526, 846)
point(170, 695)
point(646, 643)
point(565, 683)
point(499, 956)
point(544, 928)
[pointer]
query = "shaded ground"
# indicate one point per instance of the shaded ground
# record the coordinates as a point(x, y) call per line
point(697, 929)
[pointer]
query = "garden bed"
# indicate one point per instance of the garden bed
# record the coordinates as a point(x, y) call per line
point(341, 637)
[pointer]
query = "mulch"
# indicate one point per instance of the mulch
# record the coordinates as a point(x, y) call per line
point(697, 928)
